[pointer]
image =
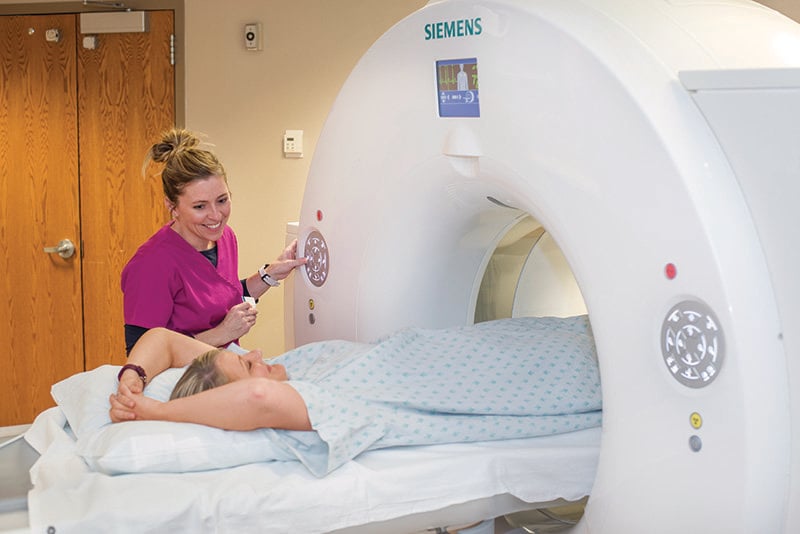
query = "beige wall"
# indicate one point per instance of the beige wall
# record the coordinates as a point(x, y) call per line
point(245, 100)
point(790, 8)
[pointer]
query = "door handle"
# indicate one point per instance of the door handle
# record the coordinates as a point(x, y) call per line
point(65, 248)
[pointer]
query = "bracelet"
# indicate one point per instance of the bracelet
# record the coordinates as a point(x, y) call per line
point(266, 278)
point(139, 371)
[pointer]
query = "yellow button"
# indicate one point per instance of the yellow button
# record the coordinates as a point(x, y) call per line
point(696, 420)
point(310, 304)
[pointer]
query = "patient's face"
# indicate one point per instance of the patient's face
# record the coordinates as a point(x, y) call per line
point(237, 367)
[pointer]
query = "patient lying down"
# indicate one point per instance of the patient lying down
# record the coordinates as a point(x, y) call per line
point(504, 379)
point(219, 388)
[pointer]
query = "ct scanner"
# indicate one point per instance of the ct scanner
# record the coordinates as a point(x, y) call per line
point(658, 144)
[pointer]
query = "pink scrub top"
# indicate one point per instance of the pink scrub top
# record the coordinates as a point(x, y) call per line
point(170, 284)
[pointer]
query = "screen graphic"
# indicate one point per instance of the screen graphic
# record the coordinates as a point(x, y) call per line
point(457, 85)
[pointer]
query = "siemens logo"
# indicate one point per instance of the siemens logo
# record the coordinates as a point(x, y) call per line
point(453, 28)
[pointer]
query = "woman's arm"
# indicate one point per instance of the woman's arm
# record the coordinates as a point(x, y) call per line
point(245, 404)
point(241, 318)
point(278, 270)
point(157, 350)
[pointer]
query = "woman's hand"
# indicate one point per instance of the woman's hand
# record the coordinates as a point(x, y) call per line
point(238, 321)
point(282, 267)
point(132, 381)
point(127, 405)
point(290, 252)
point(286, 262)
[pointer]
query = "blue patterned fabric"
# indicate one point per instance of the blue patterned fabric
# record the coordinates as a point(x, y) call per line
point(503, 379)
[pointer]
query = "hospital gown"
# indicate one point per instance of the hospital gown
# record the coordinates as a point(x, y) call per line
point(503, 379)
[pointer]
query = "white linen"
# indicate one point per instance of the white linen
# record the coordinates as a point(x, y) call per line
point(284, 497)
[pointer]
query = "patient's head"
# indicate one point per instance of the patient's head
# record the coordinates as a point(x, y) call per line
point(200, 375)
point(217, 367)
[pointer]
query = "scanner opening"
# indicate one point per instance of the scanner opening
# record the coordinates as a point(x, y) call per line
point(527, 275)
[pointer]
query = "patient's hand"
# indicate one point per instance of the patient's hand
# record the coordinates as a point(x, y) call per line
point(128, 405)
point(132, 381)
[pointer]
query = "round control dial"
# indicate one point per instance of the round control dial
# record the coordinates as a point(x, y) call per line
point(318, 264)
point(692, 343)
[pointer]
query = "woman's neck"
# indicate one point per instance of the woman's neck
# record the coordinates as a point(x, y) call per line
point(194, 240)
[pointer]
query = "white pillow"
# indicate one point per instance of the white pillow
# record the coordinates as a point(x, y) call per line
point(84, 397)
point(164, 447)
point(151, 446)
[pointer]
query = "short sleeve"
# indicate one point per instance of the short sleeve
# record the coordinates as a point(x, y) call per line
point(148, 299)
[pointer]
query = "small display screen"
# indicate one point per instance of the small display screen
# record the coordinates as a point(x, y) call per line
point(457, 87)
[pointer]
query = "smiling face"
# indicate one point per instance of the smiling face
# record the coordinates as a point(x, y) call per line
point(252, 364)
point(202, 211)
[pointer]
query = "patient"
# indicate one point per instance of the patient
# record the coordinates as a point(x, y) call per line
point(226, 390)
point(503, 379)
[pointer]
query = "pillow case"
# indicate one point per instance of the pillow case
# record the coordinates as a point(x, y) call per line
point(151, 446)
point(84, 397)
point(165, 447)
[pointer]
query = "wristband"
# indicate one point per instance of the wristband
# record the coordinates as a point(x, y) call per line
point(138, 369)
point(266, 278)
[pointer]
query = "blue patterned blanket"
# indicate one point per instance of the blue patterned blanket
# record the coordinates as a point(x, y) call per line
point(504, 379)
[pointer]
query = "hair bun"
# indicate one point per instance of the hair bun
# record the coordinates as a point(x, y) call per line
point(173, 143)
point(184, 161)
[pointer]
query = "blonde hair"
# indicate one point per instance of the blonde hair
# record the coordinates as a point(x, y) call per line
point(184, 162)
point(200, 375)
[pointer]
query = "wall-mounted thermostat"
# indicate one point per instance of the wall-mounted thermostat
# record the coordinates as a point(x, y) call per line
point(252, 36)
point(293, 144)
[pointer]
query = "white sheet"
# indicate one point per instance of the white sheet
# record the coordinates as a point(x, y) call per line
point(284, 497)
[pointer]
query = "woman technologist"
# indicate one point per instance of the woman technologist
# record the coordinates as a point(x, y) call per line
point(186, 276)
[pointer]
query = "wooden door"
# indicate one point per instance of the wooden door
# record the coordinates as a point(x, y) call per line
point(40, 293)
point(59, 316)
point(126, 99)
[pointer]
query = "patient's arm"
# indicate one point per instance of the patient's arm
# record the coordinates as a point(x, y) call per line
point(245, 404)
point(158, 350)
